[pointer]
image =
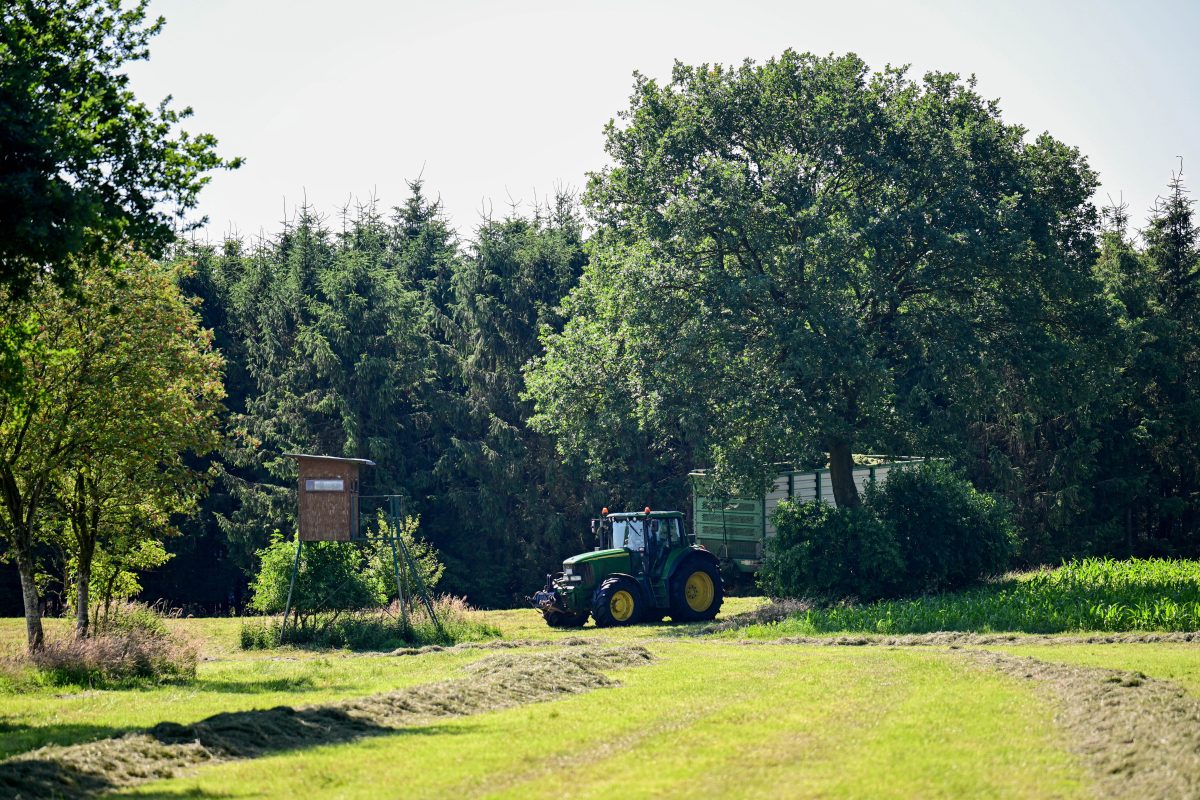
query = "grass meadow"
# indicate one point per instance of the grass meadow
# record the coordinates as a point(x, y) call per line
point(1096, 595)
point(734, 713)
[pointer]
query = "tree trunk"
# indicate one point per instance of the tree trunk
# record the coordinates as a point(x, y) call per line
point(84, 522)
point(29, 594)
point(83, 582)
point(841, 475)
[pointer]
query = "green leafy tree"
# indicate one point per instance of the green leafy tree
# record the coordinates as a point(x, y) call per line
point(87, 167)
point(116, 574)
point(803, 256)
point(208, 571)
point(121, 384)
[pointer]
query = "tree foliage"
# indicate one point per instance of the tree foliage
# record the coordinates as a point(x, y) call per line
point(87, 168)
point(786, 262)
point(1152, 471)
point(86, 165)
point(806, 256)
point(520, 503)
point(329, 333)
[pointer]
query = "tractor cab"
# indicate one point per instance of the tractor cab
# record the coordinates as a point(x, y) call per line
point(647, 536)
point(644, 531)
point(646, 567)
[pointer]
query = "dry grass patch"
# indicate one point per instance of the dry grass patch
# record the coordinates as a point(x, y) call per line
point(1139, 736)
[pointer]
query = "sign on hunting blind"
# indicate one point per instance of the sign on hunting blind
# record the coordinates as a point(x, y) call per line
point(328, 493)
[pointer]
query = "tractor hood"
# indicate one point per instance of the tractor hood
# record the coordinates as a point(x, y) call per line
point(599, 555)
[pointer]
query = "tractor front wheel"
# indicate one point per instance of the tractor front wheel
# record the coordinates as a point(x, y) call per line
point(618, 601)
point(696, 591)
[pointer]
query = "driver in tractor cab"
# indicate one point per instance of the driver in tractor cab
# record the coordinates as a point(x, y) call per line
point(658, 539)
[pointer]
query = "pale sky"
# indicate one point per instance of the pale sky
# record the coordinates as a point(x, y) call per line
point(499, 100)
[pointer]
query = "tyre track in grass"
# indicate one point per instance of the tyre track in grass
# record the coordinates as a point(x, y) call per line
point(1139, 737)
point(670, 724)
point(597, 767)
point(497, 682)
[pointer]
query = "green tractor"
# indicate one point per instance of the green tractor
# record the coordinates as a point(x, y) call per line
point(645, 568)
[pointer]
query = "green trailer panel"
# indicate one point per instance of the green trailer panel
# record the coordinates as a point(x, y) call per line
point(735, 528)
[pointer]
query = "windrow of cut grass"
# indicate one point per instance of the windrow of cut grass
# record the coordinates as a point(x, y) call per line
point(497, 682)
point(1081, 595)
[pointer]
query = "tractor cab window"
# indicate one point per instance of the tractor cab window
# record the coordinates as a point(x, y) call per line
point(637, 534)
point(665, 531)
point(628, 533)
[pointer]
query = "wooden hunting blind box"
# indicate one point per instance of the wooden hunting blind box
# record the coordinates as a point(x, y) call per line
point(328, 495)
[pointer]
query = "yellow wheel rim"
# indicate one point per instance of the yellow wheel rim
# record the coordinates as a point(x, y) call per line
point(699, 591)
point(621, 606)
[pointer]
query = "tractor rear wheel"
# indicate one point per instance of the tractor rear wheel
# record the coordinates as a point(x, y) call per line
point(696, 591)
point(618, 601)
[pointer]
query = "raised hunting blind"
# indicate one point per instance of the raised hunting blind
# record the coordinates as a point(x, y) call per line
point(330, 509)
point(328, 497)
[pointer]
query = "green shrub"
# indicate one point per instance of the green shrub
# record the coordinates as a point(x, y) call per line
point(925, 529)
point(829, 553)
point(260, 634)
point(339, 577)
point(949, 534)
point(333, 576)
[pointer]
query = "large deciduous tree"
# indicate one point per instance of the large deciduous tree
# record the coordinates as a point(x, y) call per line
point(804, 256)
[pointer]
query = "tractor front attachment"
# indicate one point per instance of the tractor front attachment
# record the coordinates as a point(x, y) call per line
point(553, 605)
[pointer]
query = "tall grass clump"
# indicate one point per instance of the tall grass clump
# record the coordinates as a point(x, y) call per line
point(375, 630)
point(132, 645)
point(1092, 594)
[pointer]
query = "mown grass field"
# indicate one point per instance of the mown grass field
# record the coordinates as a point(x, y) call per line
point(709, 714)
